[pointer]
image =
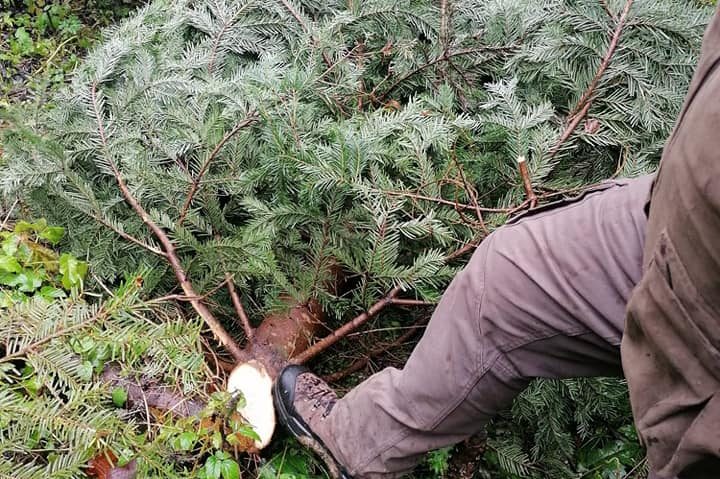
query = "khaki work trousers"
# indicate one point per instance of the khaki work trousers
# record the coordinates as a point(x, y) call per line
point(543, 296)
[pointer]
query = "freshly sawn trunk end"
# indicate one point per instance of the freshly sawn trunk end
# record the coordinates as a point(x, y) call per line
point(252, 380)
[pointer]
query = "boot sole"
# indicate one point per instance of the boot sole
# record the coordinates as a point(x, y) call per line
point(296, 427)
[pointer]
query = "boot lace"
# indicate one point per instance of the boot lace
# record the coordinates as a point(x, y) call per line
point(317, 390)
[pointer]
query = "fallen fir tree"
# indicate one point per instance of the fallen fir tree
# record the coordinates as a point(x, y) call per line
point(288, 171)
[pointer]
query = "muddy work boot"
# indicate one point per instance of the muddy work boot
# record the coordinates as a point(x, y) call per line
point(303, 401)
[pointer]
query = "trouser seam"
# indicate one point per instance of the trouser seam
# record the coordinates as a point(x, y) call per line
point(522, 342)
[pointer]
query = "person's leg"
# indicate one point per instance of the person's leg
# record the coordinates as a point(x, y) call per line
point(671, 350)
point(543, 296)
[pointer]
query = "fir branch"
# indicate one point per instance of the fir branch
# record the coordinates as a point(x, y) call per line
point(219, 37)
point(443, 57)
point(295, 15)
point(164, 239)
point(195, 185)
point(290, 8)
point(583, 105)
point(100, 315)
point(126, 236)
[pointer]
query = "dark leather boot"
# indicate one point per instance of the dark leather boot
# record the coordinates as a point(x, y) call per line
point(303, 401)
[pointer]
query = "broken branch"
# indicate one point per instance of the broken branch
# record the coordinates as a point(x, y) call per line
point(470, 191)
point(527, 183)
point(347, 328)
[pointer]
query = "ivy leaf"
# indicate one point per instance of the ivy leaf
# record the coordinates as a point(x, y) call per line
point(53, 234)
point(185, 441)
point(23, 252)
point(217, 440)
point(83, 345)
point(85, 371)
point(28, 281)
point(8, 279)
point(241, 401)
point(229, 469)
point(212, 467)
point(10, 245)
point(119, 397)
point(73, 271)
point(247, 431)
point(32, 385)
point(9, 264)
point(24, 226)
point(48, 293)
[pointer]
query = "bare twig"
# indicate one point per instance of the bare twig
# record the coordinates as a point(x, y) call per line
point(470, 191)
point(444, 24)
point(322, 452)
point(444, 31)
point(182, 297)
point(239, 309)
point(443, 201)
point(412, 302)
point(570, 129)
point(195, 185)
point(605, 7)
point(527, 182)
point(362, 362)
point(462, 250)
point(295, 14)
point(167, 245)
point(9, 213)
point(52, 56)
point(583, 105)
point(331, 67)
